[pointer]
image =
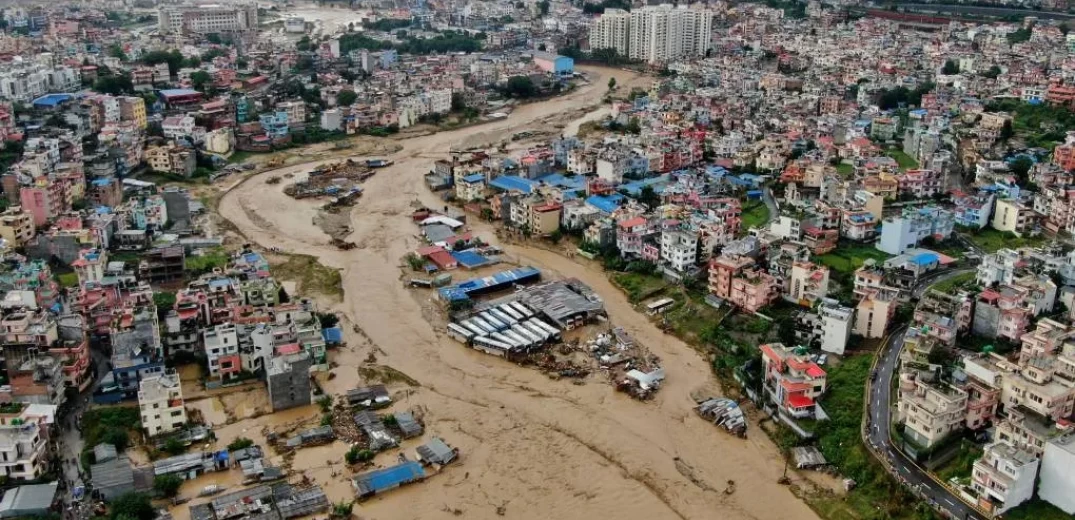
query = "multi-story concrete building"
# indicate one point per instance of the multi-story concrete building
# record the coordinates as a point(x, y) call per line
point(679, 250)
point(16, 226)
point(1057, 478)
point(807, 283)
point(611, 31)
point(906, 231)
point(160, 402)
point(23, 451)
point(929, 412)
point(222, 351)
point(205, 19)
point(828, 327)
point(663, 33)
point(1016, 217)
point(1004, 477)
point(288, 379)
point(791, 381)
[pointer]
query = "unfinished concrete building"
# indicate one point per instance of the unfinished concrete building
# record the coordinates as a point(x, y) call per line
point(288, 379)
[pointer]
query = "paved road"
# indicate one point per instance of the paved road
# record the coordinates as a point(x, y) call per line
point(880, 418)
point(767, 198)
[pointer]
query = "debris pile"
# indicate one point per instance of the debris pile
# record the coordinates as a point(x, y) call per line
point(725, 413)
point(339, 180)
point(631, 367)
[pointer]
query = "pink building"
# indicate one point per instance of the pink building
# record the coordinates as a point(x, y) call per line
point(791, 381)
point(629, 234)
point(754, 289)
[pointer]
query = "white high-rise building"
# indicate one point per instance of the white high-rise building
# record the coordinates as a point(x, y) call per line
point(610, 31)
point(664, 33)
point(654, 34)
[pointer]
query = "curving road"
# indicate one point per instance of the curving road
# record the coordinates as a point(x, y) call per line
point(879, 412)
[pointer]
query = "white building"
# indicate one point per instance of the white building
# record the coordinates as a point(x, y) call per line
point(664, 33)
point(679, 250)
point(331, 119)
point(23, 451)
point(998, 267)
point(787, 228)
point(898, 234)
point(610, 31)
point(828, 327)
point(1057, 485)
point(1005, 476)
point(204, 19)
point(160, 402)
point(221, 345)
point(23, 80)
point(176, 127)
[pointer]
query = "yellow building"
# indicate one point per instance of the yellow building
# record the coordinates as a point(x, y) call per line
point(133, 109)
point(16, 226)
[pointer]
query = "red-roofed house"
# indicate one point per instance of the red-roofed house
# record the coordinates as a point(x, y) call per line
point(629, 234)
point(791, 381)
point(439, 256)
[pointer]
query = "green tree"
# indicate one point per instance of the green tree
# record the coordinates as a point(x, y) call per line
point(346, 98)
point(950, 67)
point(993, 72)
point(132, 506)
point(649, 197)
point(173, 447)
point(201, 80)
point(240, 443)
point(116, 51)
point(520, 86)
point(115, 84)
point(1021, 168)
point(543, 7)
point(167, 485)
point(611, 84)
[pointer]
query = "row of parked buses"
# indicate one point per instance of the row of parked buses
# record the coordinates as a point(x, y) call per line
point(507, 330)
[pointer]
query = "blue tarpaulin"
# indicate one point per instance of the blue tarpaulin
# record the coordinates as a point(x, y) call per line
point(384, 479)
point(469, 259)
point(332, 335)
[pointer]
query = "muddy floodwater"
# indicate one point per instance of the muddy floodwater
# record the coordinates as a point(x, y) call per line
point(532, 447)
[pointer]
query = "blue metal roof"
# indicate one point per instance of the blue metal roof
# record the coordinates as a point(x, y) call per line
point(474, 177)
point(925, 258)
point(388, 478)
point(604, 204)
point(469, 259)
point(51, 100)
point(635, 187)
point(576, 182)
point(512, 183)
point(462, 290)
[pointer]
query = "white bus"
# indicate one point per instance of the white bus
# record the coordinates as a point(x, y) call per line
point(460, 333)
point(507, 309)
point(659, 306)
point(548, 328)
point(541, 333)
point(522, 309)
point(493, 321)
point(503, 316)
point(471, 326)
point(489, 328)
point(491, 346)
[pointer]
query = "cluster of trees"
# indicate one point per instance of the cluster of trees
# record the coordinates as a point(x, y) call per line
point(386, 24)
point(446, 41)
point(1020, 35)
point(520, 87)
point(950, 67)
point(1039, 125)
point(173, 58)
point(902, 96)
point(606, 4)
